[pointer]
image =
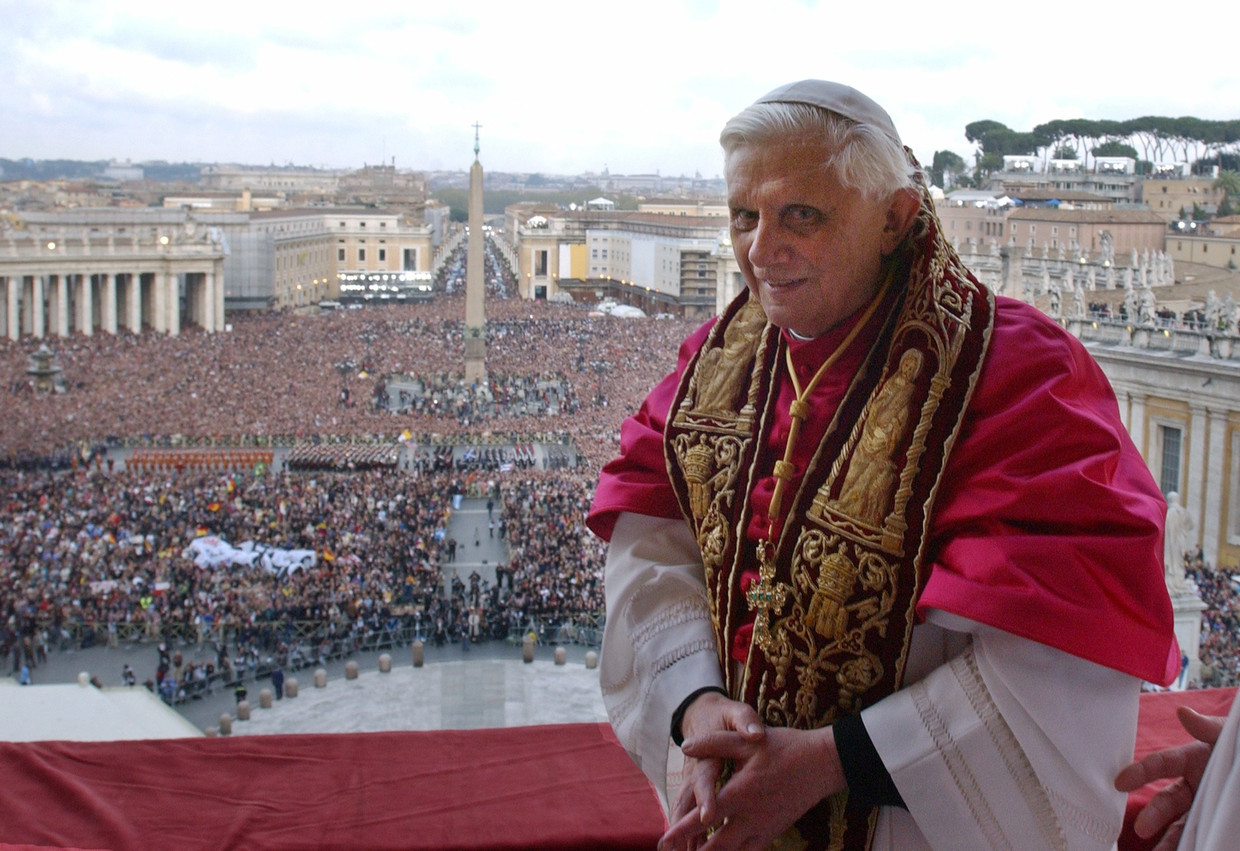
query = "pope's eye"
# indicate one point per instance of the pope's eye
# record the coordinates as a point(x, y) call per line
point(744, 219)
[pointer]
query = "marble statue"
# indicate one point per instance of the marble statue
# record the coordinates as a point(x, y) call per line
point(1177, 541)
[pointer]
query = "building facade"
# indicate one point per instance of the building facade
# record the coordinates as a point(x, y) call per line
point(104, 270)
point(1182, 410)
point(1222, 252)
point(659, 263)
point(1174, 198)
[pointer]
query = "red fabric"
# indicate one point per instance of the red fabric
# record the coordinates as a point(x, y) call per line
point(1158, 728)
point(554, 787)
point(1068, 554)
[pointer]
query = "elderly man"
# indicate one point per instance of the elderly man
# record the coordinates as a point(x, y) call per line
point(883, 560)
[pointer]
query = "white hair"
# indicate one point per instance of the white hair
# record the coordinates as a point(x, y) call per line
point(862, 156)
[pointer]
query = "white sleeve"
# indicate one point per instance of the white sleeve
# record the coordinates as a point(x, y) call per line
point(658, 642)
point(1010, 744)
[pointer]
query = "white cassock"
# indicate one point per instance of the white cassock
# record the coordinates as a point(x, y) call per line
point(994, 742)
point(1214, 820)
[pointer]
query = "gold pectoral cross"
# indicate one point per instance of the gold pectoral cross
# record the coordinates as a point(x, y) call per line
point(766, 597)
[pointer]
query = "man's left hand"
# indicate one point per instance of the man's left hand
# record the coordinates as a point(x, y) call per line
point(774, 782)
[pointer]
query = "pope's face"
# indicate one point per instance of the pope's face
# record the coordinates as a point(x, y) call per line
point(811, 249)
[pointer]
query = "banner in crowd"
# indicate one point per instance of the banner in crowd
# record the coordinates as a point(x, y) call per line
point(209, 552)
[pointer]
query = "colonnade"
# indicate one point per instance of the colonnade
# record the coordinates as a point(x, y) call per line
point(58, 303)
point(51, 285)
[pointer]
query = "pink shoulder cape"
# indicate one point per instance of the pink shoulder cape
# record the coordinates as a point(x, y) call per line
point(1047, 523)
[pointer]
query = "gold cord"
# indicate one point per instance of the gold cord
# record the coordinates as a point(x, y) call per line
point(799, 409)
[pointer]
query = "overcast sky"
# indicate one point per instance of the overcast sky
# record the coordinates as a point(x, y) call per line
point(636, 86)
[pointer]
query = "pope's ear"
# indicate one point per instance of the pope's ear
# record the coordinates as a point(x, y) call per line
point(901, 211)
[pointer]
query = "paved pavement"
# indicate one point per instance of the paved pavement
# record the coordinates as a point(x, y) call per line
point(485, 686)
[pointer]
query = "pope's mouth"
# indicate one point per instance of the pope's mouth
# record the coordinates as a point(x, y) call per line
point(781, 285)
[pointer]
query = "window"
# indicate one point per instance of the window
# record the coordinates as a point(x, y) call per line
point(382, 254)
point(1169, 439)
point(361, 255)
point(340, 255)
point(540, 263)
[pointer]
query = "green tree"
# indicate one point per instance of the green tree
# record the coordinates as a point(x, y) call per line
point(946, 168)
point(1228, 182)
point(1115, 149)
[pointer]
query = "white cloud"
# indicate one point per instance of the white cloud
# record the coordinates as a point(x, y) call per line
point(558, 86)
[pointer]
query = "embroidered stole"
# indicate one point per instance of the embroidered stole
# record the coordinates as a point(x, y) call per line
point(834, 612)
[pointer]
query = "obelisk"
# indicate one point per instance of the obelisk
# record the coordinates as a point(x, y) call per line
point(475, 286)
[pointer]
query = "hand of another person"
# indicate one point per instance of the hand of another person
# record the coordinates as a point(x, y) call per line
point(1168, 809)
point(775, 780)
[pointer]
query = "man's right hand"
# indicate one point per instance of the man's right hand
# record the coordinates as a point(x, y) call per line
point(711, 712)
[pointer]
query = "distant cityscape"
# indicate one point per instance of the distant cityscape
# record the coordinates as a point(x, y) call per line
point(114, 171)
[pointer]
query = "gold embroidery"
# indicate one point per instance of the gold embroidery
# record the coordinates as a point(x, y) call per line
point(723, 369)
point(871, 478)
point(699, 470)
point(836, 579)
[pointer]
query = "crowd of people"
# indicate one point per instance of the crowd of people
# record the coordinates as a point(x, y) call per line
point(94, 544)
point(508, 396)
point(1220, 624)
point(90, 556)
point(278, 378)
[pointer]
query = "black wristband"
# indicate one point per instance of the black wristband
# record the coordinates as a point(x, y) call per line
point(678, 738)
point(869, 781)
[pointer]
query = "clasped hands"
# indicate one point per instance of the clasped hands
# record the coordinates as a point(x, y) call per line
point(1168, 809)
point(777, 775)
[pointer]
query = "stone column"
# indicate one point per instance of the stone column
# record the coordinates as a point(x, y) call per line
point(1194, 498)
point(217, 277)
point(13, 325)
point(109, 303)
point(38, 321)
point(159, 296)
point(85, 301)
point(133, 303)
point(60, 305)
point(173, 304)
point(1136, 425)
point(1211, 519)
